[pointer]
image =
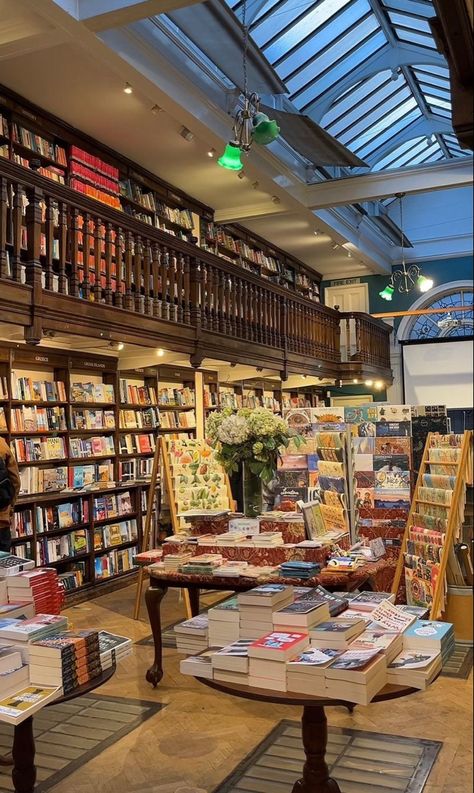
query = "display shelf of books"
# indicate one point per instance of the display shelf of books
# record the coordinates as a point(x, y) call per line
point(302, 397)
point(429, 560)
point(139, 422)
point(382, 453)
point(143, 202)
point(177, 400)
point(262, 394)
point(61, 414)
point(238, 245)
point(211, 400)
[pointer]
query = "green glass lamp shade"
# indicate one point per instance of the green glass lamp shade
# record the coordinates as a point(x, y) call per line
point(264, 130)
point(387, 293)
point(231, 158)
point(424, 283)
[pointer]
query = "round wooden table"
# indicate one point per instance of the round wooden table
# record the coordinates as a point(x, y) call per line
point(23, 750)
point(315, 777)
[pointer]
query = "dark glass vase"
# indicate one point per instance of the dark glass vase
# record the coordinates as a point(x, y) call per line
point(253, 500)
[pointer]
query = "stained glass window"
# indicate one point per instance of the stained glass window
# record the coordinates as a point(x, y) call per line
point(452, 323)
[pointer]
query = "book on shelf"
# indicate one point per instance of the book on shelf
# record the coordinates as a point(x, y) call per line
point(65, 546)
point(142, 395)
point(176, 397)
point(87, 419)
point(135, 470)
point(39, 449)
point(145, 418)
point(96, 446)
point(36, 419)
point(114, 563)
point(22, 523)
point(83, 476)
point(115, 534)
point(26, 389)
point(92, 392)
point(43, 480)
point(73, 578)
point(62, 516)
point(112, 505)
point(137, 444)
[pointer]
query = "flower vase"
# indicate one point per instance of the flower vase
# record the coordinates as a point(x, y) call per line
point(253, 500)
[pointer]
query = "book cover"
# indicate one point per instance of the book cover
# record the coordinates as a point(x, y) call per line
point(413, 659)
point(278, 641)
point(429, 630)
point(313, 657)
point(388, 616)
point(389, 429)
point(355, 659)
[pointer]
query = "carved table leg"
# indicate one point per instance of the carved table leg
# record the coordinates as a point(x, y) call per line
point(316, 777)
point(194, 600)
point(153, 597)
point(23, 752)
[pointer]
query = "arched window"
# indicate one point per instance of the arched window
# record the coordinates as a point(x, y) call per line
point(441, 324)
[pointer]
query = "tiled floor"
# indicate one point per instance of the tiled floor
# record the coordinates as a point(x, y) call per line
point(193, 744)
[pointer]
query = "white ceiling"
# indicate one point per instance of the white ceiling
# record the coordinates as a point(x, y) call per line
point(59, 64)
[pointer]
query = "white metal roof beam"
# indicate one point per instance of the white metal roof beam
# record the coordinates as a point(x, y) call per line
point(387, 58)
point(356, 189)
point(100, 15)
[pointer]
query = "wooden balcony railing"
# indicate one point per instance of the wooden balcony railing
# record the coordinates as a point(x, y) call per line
point(54, 239)
point(365, 339)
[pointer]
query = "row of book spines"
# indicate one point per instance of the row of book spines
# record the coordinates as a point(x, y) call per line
point(176, 397)
point(114, 563)
point(137, 395)
point(63, 547)
point(38, 144)
point(119, 533)
point(172, 420)
point(29, 390)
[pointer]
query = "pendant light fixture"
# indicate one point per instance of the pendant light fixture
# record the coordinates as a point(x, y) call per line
point(250, 125)
point(406, 278)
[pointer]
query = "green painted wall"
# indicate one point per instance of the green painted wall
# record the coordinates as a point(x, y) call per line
point(442, 271)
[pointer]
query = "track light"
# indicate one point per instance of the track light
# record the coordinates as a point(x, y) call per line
point(127, 89)
point(241, 175)
point(378, 385)
point(316, 232)
point(275, 199)
point(335, 246)
point(156, 109)
point(160, 353)
point(186, 134)
point(211, 153)
point(369, 383)
point(255, 185)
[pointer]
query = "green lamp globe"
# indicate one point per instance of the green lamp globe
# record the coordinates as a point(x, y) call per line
point(231, 158)
point(387, 293)
point(424, 283)
point(264, 130)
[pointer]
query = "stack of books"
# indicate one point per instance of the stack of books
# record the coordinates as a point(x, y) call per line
point(231, 569)
point(23, 703)
point(356, 676)
point(305, 673)
point(224, 623)
point(320, 595)
point(13, 671)
point(198, 665)
point(302, 615)
point(39, 627)
point(40, 587)
point(368, 601)
point(268, 539)
point(112, 646)
point(299, 569)
point(425, 635)
point(173, 561)
point(415, 668)
point(68, 660)
point(203, 564)
point(257, 607)
point(337, 633)
point(231, 663)
point(192, 635)
point(230, 538)
point(389, 643)
point(268, 657)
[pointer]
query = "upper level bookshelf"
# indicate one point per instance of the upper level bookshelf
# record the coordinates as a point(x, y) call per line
point(36, 139)
point(253, 253)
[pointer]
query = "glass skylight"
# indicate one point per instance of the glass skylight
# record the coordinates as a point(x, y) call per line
point(344, 64)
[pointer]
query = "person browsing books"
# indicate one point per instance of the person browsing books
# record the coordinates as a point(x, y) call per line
point(9, 489)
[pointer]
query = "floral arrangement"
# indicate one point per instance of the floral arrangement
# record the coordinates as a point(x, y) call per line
point(252, 436)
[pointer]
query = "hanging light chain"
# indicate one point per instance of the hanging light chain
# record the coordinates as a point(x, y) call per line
point(245, 46)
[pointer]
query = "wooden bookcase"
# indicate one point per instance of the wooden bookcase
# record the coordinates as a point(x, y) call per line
point(37, 427)
point(34, 138)
point(255, 254)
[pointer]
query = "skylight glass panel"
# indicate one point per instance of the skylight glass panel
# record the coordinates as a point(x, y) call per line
point(434, 100)
point(410, 21)
point(339, 70)
point(363, 111)
point(440, 92)
point(405, 34)
point(401, 154)
point(316, 40)
point(418, 7)
point(292, 21)
point(350, 98)
point(387, 134)
point(370, 125)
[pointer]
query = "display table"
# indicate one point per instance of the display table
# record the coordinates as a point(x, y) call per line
point(23, 750)
point(161, 581)
point(316, 777)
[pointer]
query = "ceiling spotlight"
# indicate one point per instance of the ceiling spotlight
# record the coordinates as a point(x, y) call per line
point(255, 185)
point(355, 380)
point(369, 383)
point(395, 75)
point(156, 109)
point(316, 232)
point(211, 153)
point(127, 89)
point(186, 134)
point(276, 200)
point(241, 174)
point(335, 246)
point(378, 385)
point(349, 255)
point(160, 353)
point(117, 345)
point(120, 345)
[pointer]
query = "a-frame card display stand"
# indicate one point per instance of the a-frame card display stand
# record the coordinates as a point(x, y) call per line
point(148, 522)
point(450, 524)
